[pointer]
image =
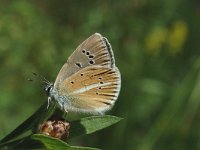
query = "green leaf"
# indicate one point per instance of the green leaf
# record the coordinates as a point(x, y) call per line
point(56, 144)
point(41, 114)
point(91, 124)
point(22, 143)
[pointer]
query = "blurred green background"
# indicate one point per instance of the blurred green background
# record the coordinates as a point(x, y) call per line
point(157, 49)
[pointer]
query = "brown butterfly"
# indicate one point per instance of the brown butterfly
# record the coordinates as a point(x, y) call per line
point(89, 81)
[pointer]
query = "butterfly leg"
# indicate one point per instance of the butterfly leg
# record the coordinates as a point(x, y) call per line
point(64, 108)
point(65, 115)
point(49, 101)
point(66, 112)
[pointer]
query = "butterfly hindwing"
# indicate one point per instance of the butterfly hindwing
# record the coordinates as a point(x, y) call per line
point(92, 89)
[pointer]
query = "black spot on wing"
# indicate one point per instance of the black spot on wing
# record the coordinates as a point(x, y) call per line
point(91, 62)
point(107, 103)
point(79, 65)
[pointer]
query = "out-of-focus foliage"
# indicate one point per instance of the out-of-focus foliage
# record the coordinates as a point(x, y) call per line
point(156, 46)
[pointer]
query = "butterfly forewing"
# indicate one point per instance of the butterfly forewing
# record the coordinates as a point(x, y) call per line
point(92, 89)
point(95, 50)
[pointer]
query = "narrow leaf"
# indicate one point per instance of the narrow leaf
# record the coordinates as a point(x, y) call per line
point(41, 114)
point(22, 144)
point(56, 144)
point(91, 124)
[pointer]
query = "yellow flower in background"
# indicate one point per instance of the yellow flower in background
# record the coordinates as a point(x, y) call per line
point(177, 37)
point(174, 38)
point(155, 40)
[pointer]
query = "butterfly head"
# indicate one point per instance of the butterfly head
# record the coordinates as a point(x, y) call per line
point(48, 87)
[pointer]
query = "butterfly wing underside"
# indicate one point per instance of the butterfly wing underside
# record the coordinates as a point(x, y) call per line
point(89, 81)
point(95, 50)
point(93, 89)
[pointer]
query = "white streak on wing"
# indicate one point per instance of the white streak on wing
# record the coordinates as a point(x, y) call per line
point(89, 87)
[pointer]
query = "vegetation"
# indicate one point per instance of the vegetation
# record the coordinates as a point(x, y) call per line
point(156, 46)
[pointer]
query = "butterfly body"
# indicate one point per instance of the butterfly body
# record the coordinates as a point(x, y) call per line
point(89, 81)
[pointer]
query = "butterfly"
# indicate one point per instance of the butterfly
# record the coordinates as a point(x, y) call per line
point(89, 81)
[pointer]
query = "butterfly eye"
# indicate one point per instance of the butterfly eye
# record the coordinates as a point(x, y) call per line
point(72, 82)
point(48, 88)
point(81, 74)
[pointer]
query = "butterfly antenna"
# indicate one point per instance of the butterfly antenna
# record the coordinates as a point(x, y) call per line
point(31, 80)
point(41, 78)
